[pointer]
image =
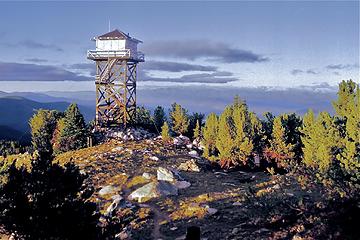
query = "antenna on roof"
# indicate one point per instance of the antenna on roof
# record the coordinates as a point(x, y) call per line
point(109, 26)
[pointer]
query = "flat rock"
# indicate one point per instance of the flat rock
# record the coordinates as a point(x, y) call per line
point(164, 174)
point(182, 184)
point(107, 190)
point(153, 190)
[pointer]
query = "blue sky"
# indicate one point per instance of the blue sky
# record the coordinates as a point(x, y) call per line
point(226, 44)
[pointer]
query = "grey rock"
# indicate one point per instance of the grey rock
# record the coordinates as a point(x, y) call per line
point(182, 184)
point(153, 190)
point(164, 174)
point(147, 175)
point(107, 190)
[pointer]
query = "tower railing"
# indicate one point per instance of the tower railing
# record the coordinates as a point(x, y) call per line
point(124, 53)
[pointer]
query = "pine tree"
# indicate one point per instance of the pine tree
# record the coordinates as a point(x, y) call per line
point(197, 130)
point(210, 133)
point(159, 117)
point(43, 124)
point(242, 125)
point(258, 134)
point(193, 119)
point(143, 118)
point(179, 119)
point(280, 150)
point(225, 141)
point(347, 107)
point(321, 138)
point(165, 132)
point(73, 133)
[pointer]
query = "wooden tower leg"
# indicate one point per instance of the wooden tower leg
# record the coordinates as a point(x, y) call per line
point(115, 92)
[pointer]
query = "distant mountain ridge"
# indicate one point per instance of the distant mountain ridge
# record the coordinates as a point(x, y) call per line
point(15, 112)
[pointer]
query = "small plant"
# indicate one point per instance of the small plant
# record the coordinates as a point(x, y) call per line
point(165, 134)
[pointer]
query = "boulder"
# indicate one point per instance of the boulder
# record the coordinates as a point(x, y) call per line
point(154, 158)
point(107, 190)
point(193, 153)
point(153, 190)
point(181, 141)
point(164, 174)
point(147, 175)
point(190, 166)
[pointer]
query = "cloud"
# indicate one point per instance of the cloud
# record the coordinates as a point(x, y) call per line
point(34, 45)
point(175, 66)
point(300, 71)
point(195, 49)
point(36, 60)
point(342, 66)
point(215, 77)
point(83, 66)
point(38, 45)
point(34, 72)
point(312, 71)
point(296, 71)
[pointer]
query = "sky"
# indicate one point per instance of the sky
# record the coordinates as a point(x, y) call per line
point(310, 45)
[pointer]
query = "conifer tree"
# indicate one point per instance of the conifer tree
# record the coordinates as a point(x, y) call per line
point(193, 119)
point(242, 126)
point(225, 141)
point(73, 133)
point(143, 118)
point(165, 132)
point(321, 138)
point(43, 124)
point(159, 117)
point(197, 130)
point(280, 150)
point(347, 108)
point(179, 119)
point(258, 134)
point(210, 133)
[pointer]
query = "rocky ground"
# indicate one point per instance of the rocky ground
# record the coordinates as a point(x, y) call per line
point(224, 204)
point(156, 191)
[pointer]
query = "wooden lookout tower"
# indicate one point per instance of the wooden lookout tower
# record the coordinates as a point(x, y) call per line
point(116, 57)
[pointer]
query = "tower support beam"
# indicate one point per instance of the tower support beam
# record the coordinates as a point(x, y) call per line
point(115, 92)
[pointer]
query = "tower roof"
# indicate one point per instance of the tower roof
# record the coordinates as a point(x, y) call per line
point(116, 34)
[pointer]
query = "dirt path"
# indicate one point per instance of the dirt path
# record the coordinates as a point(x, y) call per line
point(158, 218)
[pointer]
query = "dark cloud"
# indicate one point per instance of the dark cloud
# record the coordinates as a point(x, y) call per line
point(175, 66)
point(38, 45)
point(300, 71)
point(83, 66)
point(195, 49)
point(36, 60)
point(88, 67)
point(34, 72)
point(342, 66)
point(296, 71)
point(34, 45)
point(312, 71)
point(215, 77)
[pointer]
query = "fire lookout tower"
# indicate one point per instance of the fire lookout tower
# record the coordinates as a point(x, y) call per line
point(116, 59)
